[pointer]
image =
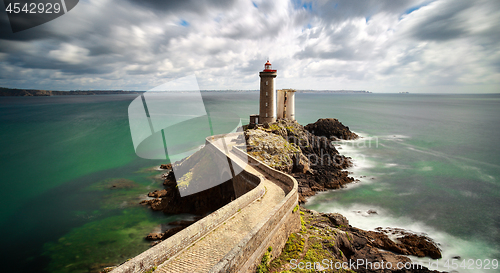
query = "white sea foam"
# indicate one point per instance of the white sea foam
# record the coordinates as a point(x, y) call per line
point(394, 137)
point(451, 246)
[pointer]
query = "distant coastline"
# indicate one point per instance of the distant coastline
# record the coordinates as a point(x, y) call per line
point(39, 92)
point(36, 92)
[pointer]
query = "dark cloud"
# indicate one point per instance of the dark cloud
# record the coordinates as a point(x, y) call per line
point(444, 24)
point(196, 6)
point(340, 10)
point(6, 33)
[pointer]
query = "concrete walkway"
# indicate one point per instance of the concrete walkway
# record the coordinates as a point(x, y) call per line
point(208, 251)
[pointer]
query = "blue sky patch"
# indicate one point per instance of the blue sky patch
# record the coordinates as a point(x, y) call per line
point(299, 4)
point(184, 23)
point(412, 9)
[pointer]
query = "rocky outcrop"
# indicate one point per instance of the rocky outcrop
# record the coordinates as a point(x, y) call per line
point(329, 236)
point(166, 166)
point(192, 171)
point(317, 167)
point(331, 128)
point(275, 151)
point(169, 200)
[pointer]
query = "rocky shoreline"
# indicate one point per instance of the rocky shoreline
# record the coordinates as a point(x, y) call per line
point(307, 153)
point(327, 243)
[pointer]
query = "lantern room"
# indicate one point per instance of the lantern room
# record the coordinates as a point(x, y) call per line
point(268, 67)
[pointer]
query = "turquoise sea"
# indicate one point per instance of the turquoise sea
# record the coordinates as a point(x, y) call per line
point(428, 163)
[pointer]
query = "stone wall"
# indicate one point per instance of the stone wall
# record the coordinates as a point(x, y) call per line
point(188, 236)
point(243, 183)
point(272, 231)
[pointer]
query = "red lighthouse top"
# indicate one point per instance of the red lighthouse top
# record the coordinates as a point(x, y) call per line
point(268, 67)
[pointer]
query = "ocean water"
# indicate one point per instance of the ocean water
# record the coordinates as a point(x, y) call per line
point(428, 163)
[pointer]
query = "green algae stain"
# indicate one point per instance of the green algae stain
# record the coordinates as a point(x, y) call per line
point(101, 243)
point(113, 233)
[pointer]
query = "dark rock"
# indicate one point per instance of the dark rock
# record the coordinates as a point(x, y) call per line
point(157, 193)
point(154, 236)
point(337, 219)
point(166, 166)
point(329, 127)
point(169, 233)
point(170, 180)
point(420, 246)
point(165, 235)
point(407, 243)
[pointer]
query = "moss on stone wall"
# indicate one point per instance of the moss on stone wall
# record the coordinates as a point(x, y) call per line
point(309, 246)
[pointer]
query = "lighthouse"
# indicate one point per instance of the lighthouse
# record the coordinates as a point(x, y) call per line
point(267, 110)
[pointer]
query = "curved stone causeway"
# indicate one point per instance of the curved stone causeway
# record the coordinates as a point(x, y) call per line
point(233, 238)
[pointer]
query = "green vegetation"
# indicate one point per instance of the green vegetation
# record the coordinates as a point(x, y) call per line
point(310, 247)
point(274, 127)
point(185, 179)
point(263, 267)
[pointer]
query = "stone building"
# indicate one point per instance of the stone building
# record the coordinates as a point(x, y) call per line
point(286, 104)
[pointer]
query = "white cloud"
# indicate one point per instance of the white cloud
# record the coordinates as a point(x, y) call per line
point(379, 46)
point(71, 54)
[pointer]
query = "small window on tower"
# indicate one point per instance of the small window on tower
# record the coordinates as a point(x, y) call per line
point(266, 104)
point(266, 115)
point(266, 94)
point(266, 82)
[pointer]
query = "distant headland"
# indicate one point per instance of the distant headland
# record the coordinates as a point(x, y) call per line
point(37, 92)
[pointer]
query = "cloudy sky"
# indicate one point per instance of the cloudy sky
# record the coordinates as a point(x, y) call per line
point(375, 45)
